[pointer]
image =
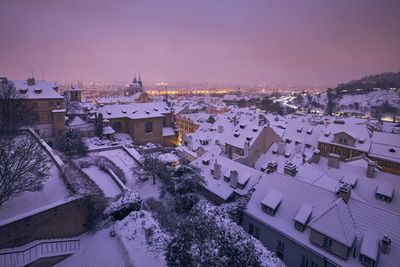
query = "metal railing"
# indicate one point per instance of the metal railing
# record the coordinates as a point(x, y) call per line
point(36, 250)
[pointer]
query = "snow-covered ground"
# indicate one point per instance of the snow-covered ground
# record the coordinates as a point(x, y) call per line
point(98, 250)
point(126, 162)
point(131, 232)
point(54, 191)
point(103, 180)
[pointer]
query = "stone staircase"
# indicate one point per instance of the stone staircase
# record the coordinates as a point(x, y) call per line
point(39, 249)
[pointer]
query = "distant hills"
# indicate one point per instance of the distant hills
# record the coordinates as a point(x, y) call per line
point(367, 84)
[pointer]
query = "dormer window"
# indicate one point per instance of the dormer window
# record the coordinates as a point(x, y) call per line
point(38, 91)
point(133, 112)
point(123, 111)
point(392, 150)
point(165, 108)
point(385, 192)
point(302, 217)
point(147, 112)
point(299, 129)
point(243, 125)
point(108, 112)
point(309, 130)
point(361, 140)
point(271, 202)
point(255, 130)
point(327, 133)
point(23, 91)
point(248, 138)
point(155, 109)
point(236, 134)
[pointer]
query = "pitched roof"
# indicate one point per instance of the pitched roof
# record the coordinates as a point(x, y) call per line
point(336, 222)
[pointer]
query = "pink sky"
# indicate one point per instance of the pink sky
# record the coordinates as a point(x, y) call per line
point(300, 41)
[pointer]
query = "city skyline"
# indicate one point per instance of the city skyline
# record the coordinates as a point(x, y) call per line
point(300, 42)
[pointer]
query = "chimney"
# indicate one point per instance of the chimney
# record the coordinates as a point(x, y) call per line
point(344, 191)
point(233, 179)
point(235, 121)
point(316, 156)
point(246, 149)
point(289, 169)
point(217, 170)
point(333, 161)
point(281, 148)
point(371, 169)
point(385, 244)
point(220, 128)
point(272, 166)
point(30, 81)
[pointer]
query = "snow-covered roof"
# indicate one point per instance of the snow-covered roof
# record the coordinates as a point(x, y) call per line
point(77, 121)
point(247, 176)
point(168, 131)
point(336, 222)
point(135, 111)
point(40, 90)
point(385, 146)
point(296, 193)
point(108, 130)
point(356, 131)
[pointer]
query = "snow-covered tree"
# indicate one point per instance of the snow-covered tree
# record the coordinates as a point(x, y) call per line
point(99, 125)
point(24, 165)
point(207, 238)
point(71, 143)
point(14, 112)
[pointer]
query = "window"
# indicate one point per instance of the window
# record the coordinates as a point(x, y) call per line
point(50, 104)
point(59, 117)
point(148, 127)
point(327, 242)
point(34, 105)
point(254, 230)
point(306, 262)
point(280, 248)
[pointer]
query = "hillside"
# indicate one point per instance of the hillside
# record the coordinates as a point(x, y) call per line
point(367, 84)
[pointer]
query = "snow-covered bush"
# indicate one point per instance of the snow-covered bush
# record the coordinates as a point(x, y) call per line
point(128, 202)
point(78, 183)
point(206, 238)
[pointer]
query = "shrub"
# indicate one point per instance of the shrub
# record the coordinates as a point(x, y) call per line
point(128, 202)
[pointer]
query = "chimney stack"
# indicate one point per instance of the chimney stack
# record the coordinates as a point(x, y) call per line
point(289, 169)
point(281, 148)
point(217, 170)
point(220, 128)
point(234, 177)
point(246, 148)
point(333, 161)
point(344, 191)
point(385, 244)
point(30, 81)
point(371, 169)
point(316, 156)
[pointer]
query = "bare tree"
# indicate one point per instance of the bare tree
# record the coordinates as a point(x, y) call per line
point(70, 106)
point(24, 165)
point(13, 107)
